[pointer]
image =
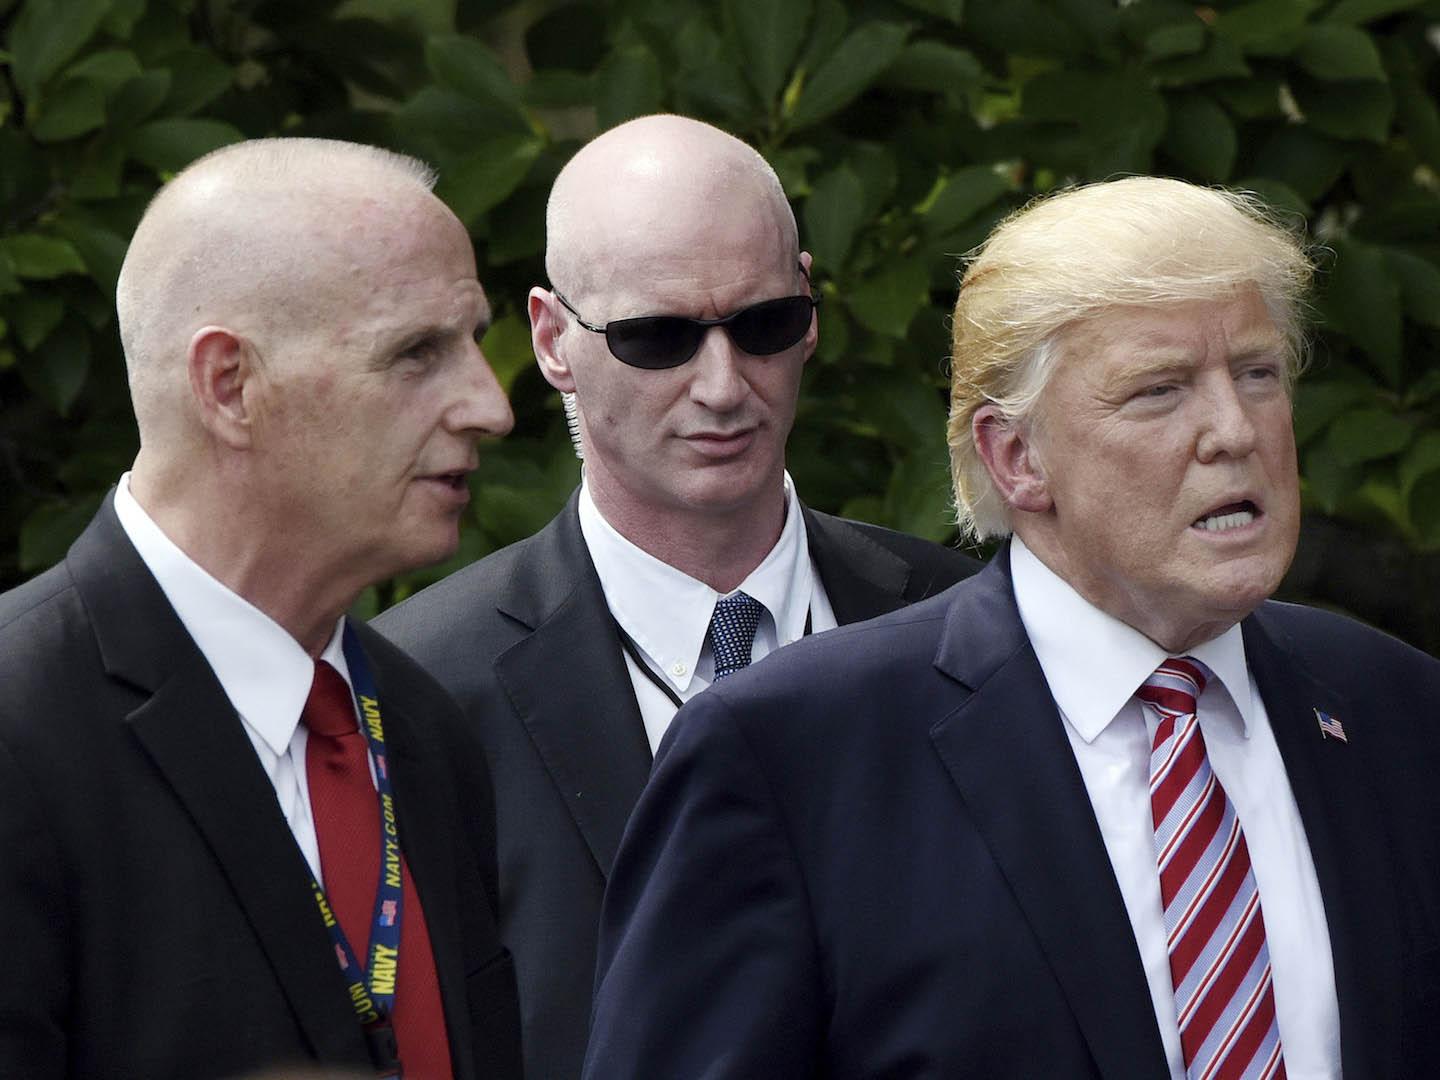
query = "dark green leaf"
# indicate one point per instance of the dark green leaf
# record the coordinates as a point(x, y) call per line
point(558, 89)
point(101, 249)
point(919, 500)
point(848, 72)
point(58, 372)
point(1328, 480)
point(1346, 110)
point(1423, 505)
point(1361, 11)
point(1363, 300)
point(465, 66)
point(35, 315)
point(1368, 435)
point(960, 196)
point(46, 34)
point(1328, 51)
point(1304, 161)
point(1414, 105)
point(1221, 59)
point(1318, 403)
point(508, 349)
point(197, 78)
point(1419, 285)
point(167, 146)
point(628, 85)
point(1421, 460)
point(487, 176)
point(833, 213)
point(768, 36)
point(73, 108)
point(120, 20)
point(50, 530)
point(108, 70)
point(138, 100)
point(1178, 39)
point(888, 301)
point(41, 257)
point(1201, 137)
point(950, 10)
point(1265, 27)
point(828, 24)
point(1250, 99)
point(935, 68)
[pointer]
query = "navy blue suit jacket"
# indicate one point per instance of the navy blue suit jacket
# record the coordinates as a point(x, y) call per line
point(873, 855)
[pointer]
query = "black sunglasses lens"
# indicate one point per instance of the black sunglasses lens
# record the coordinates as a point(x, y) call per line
point(654, 341)
point(772, 326)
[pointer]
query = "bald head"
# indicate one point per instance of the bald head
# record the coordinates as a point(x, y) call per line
point(255, 237)
point(650, 185)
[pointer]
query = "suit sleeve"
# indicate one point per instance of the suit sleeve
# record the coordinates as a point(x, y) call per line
point(707, 962)
point(34, 992)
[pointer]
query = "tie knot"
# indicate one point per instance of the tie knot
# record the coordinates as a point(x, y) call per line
point(329, 710)
point(732, 632)
point(1175, 686)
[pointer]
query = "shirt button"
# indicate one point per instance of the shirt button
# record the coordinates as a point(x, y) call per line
point(678, 669)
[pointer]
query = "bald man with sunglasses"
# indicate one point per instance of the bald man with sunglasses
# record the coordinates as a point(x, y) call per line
point(677, 323)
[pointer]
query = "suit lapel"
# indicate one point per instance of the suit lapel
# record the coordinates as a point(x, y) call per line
point(568, 683)
point(861, 578)
point(1333, 785)
point(1006, 752)
point(190, 731)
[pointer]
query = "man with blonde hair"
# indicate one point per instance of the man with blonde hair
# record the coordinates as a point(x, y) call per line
point(212, 866)
point(1103, 810)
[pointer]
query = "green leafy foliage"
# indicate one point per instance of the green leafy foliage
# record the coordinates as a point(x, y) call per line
point(901, 129)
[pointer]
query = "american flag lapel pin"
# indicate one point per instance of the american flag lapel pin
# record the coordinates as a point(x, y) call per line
point(1330, 728)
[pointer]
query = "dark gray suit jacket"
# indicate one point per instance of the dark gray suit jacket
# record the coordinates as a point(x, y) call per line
point(156, 910)
point(524, 641)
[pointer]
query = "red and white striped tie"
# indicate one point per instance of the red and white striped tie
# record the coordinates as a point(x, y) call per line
point(1219, 965)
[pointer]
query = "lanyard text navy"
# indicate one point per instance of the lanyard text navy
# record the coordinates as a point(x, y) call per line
point(372, 990)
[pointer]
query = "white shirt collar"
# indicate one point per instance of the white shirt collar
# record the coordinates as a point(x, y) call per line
point(667, 612)
point(1093, 661)
point(262, 669)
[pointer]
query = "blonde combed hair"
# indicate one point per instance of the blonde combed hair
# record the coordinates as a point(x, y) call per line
point(1140, 241)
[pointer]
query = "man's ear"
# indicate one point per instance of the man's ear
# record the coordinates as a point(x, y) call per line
point(812, 336)
point(221, 365)
point(1008, 449)
point(546, 325)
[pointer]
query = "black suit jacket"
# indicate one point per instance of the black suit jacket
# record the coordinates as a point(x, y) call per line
point(156, 909)
point(525, 642)
point(873, 855)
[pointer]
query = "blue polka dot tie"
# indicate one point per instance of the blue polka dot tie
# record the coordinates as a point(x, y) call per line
point(732, 632)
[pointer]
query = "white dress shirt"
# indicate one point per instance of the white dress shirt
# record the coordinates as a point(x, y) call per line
point(1094, 663)
point(262, 669)
point(666, 613)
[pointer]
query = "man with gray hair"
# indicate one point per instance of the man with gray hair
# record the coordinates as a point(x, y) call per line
point(241, 831)
point(678, 320)
point(1103, 810)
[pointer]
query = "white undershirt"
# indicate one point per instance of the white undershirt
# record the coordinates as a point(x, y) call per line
point(1094, 663)
point(666, 612)
point(262, 669)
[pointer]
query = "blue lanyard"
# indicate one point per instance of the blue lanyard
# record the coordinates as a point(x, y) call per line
point(372, 989)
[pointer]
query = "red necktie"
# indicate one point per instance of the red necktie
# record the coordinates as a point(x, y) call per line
point(1219, 963)
point(347, 826)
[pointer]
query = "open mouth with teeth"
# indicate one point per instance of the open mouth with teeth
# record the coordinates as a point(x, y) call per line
point(1231, 516)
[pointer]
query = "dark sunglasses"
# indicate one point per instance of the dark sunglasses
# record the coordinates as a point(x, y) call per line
point(665, 341)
